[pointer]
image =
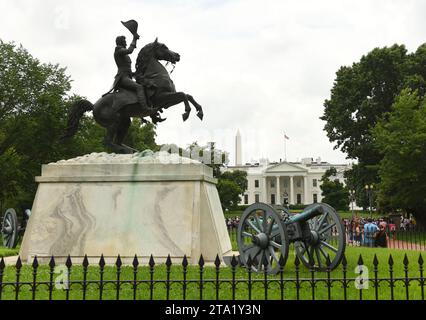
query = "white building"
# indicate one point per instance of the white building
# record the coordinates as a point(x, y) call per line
point(286, 182)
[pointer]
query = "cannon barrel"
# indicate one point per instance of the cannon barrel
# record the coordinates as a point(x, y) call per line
point(307, 214)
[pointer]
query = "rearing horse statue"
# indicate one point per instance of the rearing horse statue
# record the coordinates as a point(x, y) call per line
point(114, 110)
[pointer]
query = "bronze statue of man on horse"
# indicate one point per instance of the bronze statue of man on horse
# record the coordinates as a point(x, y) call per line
point(151, 93)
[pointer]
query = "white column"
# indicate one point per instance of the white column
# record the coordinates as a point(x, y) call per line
point(278, 195)
point(305, 190)
point(291, 195)
point(264, 191)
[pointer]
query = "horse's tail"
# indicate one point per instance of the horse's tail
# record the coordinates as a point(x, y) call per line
point(77, 111)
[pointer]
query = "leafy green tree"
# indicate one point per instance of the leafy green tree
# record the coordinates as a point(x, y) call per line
point(237, 176)
point(333, 191)
point(362, 95)
point(401, 140)
point(229, 193)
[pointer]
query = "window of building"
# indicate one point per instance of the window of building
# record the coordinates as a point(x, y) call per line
point(299, 198)
point(256, 183)
point(298, 183)
point(256, 198)
point(272, 184)
point(246, 199)
point(315, 183)
point(315, 198)
point(272, 198)
point(285, 183)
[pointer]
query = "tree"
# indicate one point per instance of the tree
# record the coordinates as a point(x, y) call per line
point(231, 186)
point(362, 95)
point(333, 191)
point(401, 140)
point(229, 193)
point(237, 176)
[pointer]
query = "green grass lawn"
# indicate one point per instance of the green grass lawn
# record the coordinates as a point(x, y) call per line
point(226, 276)
point(5, 252)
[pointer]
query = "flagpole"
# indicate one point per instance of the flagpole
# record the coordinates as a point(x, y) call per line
point(285, 148)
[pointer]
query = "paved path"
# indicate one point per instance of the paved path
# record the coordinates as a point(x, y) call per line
point(10, 260)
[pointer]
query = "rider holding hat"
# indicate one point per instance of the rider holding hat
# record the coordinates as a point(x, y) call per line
point(124, 77)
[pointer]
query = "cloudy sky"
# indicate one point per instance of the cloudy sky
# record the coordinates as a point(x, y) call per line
point(264, 67)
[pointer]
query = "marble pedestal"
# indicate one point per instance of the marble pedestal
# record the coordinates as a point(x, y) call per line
point(125, 205)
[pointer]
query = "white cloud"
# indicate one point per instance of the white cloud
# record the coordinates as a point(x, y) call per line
point(264, 67)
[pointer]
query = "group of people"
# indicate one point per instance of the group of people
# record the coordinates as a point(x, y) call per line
point(232, 223)
point(368, 232)
point(373, 232)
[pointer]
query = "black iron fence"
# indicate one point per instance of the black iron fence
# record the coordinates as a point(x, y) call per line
point(213, 281)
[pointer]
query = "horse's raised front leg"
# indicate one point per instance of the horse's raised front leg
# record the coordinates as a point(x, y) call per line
point(200, 113)
point(168, 99)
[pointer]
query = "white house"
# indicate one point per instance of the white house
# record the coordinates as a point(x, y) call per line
point(284, 182)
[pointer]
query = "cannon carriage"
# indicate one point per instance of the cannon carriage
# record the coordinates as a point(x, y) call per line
point(11, 228)
point(265, 234)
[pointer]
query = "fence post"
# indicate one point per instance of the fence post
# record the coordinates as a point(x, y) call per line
point(151, 274)
point(118, 264)
point(168, 268)
point(52, 265)
point(234, 264)
point(185, 271)
point(422, 280)
point(34, 285)
point(265, 275)
point(360, 263)
point(250, 284)
point(312, 270)
point(18, 267)
point(281, 263)
point(68, 264)
point(376, 279)
point(101, 275)
point(329, 285)
point(297, 266)
point(201, 265)
point(345, 281)
point(392, 285)
point(406, 280)
point(135, 264)
point(217, 266)
point(85, 267)
point(2, 267)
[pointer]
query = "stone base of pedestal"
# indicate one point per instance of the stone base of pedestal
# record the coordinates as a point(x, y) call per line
point(127, 205)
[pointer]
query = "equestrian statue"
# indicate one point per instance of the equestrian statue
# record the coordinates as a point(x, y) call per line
point(148, 96)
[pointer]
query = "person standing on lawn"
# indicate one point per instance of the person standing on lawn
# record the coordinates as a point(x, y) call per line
point(370, 231)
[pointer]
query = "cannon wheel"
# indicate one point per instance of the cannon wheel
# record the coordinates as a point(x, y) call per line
point(261, 235)
point(10, 229)
point(328, 239)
